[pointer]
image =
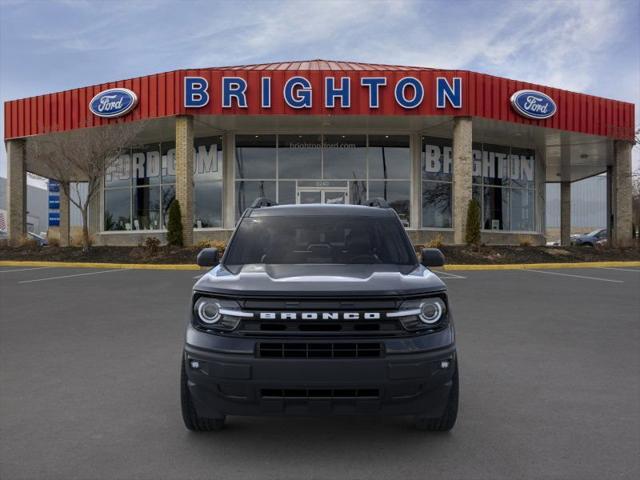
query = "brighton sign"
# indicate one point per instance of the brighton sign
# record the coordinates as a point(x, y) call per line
point(533, 104)
point(113, 103)
point(298, 93)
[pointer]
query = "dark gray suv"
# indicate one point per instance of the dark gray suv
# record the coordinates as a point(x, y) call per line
point(319, 310)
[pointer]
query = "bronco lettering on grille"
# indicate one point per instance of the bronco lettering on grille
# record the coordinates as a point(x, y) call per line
point(319, 316)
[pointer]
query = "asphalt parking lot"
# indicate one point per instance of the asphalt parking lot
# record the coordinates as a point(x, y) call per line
point(550, 386)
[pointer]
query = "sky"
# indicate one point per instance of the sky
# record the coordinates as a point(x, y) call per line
point(590, 46)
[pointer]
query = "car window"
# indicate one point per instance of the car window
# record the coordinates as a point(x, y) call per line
point(320, 239)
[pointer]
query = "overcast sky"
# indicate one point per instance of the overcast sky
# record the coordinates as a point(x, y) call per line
point(581, 45)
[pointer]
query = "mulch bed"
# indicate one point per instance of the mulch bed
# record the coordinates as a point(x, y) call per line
point(170, 255)
point(515, 254)
point(453, 254)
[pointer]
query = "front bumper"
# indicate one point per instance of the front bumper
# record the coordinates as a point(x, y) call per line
point(230, 379)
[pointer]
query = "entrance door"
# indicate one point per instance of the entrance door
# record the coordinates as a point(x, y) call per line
point(323, 195)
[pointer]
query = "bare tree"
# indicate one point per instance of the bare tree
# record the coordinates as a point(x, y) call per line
point(82, 156)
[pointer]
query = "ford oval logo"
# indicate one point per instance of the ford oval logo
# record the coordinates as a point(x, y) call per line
point(114, 102)
point(533, 104)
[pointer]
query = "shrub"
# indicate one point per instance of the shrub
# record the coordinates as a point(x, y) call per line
point(436, 242)
point(472, 234)
point(28, 243)
point(174, 226)
point(75, 238)
point(524, 242)
point(54, 242)
point(152, 245)
point(219, 244)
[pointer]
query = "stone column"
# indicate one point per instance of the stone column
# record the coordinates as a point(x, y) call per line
point(228, 181)
point(416, 181)
point(16, 191)
point(565, 213)
point(462, 175)
point(65, 216)
point(184, 174)
point(621, 184)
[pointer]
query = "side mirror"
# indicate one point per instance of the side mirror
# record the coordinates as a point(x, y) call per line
point(208, 257)
point(432, 257)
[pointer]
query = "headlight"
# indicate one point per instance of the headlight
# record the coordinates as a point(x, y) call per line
point(208, 310)
point(422, 314)
point(216, 314)
point(432, 310)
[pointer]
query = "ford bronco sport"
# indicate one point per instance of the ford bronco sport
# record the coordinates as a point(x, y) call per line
point(319, 310)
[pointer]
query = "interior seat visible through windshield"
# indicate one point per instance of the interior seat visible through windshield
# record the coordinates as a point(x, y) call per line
point(320, 239)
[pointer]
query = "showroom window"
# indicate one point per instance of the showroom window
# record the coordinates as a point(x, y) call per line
point(437, 175)
point(140, 186)
point(331, 169)
point(503, 184)
point(505, 176)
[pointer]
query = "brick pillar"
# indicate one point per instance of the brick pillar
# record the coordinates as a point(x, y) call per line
point(621, 186)
point(565, 213)
point(416, 181)
point(16, 191)
point(228, 182)
point(184, 174)
point(462, 175)
point(65, 215)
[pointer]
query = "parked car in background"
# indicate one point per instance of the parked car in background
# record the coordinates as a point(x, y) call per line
point(41, 240)
point(591, 239)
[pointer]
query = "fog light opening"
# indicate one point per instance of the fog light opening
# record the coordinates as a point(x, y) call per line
point(444, 364)
point(194, 364)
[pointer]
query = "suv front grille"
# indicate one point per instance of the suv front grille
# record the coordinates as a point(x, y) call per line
point(319, 350)
point(255, 327)
point(320, 393)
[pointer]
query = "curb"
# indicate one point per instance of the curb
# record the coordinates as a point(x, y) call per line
point(525, 266)
point(132, 266)
point(182, 266)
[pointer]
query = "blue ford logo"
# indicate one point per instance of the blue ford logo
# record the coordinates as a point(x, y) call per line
point(533, 104)
point(114, 102)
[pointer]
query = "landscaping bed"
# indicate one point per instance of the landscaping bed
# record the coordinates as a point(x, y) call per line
point(453, 254)
point(515, 254)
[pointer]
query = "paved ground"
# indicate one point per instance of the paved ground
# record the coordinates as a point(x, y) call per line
point(550, 372)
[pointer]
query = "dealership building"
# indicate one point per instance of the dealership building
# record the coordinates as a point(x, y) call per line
point(426, 140)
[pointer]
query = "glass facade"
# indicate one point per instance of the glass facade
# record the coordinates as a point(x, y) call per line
point(312, 168)
point(503, 184)
point(139, 186)
point(323, 168)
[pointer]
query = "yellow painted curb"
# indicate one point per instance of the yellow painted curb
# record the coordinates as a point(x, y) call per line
point(182, 266)
point(525, 266)
point(136, 266)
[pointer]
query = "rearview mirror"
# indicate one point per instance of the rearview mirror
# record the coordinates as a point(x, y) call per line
point(208, 257)
point(432, 257)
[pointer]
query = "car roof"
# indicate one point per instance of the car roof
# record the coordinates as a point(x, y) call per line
point(321, 209)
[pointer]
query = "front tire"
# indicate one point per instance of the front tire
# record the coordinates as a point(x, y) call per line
point(445, 422)
point(192, 420)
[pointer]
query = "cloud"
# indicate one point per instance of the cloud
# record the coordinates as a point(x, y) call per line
point(584, 45)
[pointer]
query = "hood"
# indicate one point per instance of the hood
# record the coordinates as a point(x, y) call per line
point(321, 280)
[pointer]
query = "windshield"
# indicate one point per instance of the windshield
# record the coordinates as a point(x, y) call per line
point(320, 239)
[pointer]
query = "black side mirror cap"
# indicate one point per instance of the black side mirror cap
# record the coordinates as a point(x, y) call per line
point(208, 257)
point(432, 257)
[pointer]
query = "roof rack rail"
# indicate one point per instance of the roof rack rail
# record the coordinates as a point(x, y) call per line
point(263, 202)
point(377, 202)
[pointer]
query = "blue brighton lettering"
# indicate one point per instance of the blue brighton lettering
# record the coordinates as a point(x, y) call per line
point(195, 92)
point(400, 92)
point(234, 87)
